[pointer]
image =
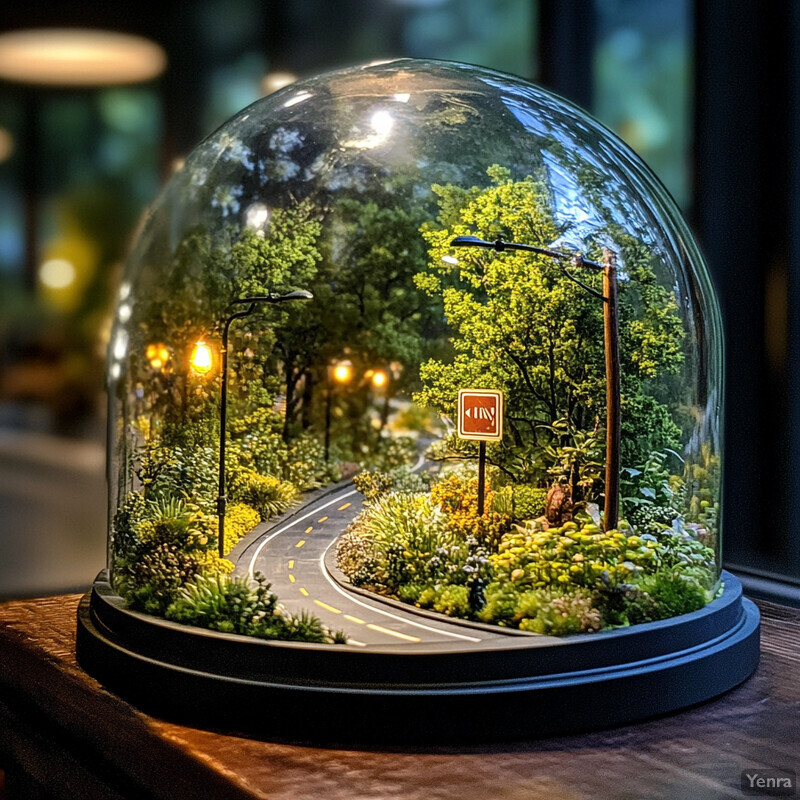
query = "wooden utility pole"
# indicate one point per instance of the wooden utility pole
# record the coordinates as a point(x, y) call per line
point(611, 335)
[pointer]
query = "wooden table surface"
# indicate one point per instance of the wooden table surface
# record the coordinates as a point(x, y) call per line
point(63, 736)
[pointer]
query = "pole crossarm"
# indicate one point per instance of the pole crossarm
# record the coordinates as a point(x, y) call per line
point(499, 245)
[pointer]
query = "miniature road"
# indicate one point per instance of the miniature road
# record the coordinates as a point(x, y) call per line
point(292, 556)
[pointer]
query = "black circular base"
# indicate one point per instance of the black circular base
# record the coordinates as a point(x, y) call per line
point(524, 687)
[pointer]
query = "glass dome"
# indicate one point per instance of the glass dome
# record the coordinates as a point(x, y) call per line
point(366, 245)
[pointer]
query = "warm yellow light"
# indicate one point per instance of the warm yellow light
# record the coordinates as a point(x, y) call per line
point(201, 358)
point(342, 373)
point(78, 57)
point(57, 273)
point(380, 379)
point(157, 354)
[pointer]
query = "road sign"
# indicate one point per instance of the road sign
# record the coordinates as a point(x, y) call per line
point(480, 414)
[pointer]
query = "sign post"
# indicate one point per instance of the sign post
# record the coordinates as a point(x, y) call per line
point(480, 418)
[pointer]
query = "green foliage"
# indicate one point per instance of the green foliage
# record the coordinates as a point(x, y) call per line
point(673, 594)
point(520, 325)
point(456, 493)
point(150, 582)
point(649, 493)
point(305, 465)
point(549, 612)
point(573, 457)
point(126, 523)
point(234, 605)
point(391, 452)
point(700, 495)
point(570, 555)
point(519, 501)
point(452, 600)
point(528, 501)
point(267, 495)
point(240, 519)
point(358, 558)
point(401, 479)
point(406, 530)
point(170, 471)
point(373, 484)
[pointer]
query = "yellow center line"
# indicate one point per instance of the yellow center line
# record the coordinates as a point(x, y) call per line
point(322, 519)
point(300, 543)
point(327, 607)
point(399, 635)
point(354, 619)
point(303, 592)
point(291, 579)
point(309, 529)
point(346, 505)
point(291, 563)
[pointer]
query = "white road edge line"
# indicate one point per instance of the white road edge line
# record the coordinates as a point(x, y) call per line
point(381, 611)
point(330, 580)
point(290, 525)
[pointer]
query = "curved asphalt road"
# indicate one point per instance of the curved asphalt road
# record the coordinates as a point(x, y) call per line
point(292, 555)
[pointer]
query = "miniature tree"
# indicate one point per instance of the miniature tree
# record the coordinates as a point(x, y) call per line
point(522, 326)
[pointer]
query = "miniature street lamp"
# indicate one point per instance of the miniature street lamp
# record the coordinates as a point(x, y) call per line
point(611, 340)
point(201, 360)
point(158, 355)
point(341, 372)
point(250, 302)
point(379, 379)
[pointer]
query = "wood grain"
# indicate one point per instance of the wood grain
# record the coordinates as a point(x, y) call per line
point(63, 730)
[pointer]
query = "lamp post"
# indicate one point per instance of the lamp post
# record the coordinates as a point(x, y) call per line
point(250, 303)
point(339, 372)
point(611, 343)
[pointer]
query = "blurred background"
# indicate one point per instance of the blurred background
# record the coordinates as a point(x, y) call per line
point(90, 127)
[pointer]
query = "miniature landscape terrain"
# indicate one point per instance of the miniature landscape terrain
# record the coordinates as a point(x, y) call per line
point(352, 394)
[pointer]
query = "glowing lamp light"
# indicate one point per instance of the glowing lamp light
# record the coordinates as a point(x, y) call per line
point(157, 354)
point(78, 57)
point(450, 260)
point(201, 358)
point(380, 379)
point(342, 373)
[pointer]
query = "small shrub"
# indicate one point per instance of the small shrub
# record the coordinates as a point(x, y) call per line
point(357, 558)
point(268, 495)
point(392, 452)
point(410, 592)
point(373, 484)
point(126, 522)
point(305, 465)
point(401, 479)
point(673, 594)
point(501, 603)
point(529, 501)
point(558, 615)
point(457, 495)
point(150, 583)
point(233, 605)
point(453, 601)
point(240, 519)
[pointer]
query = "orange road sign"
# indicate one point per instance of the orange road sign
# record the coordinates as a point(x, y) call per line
point(480, 415)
